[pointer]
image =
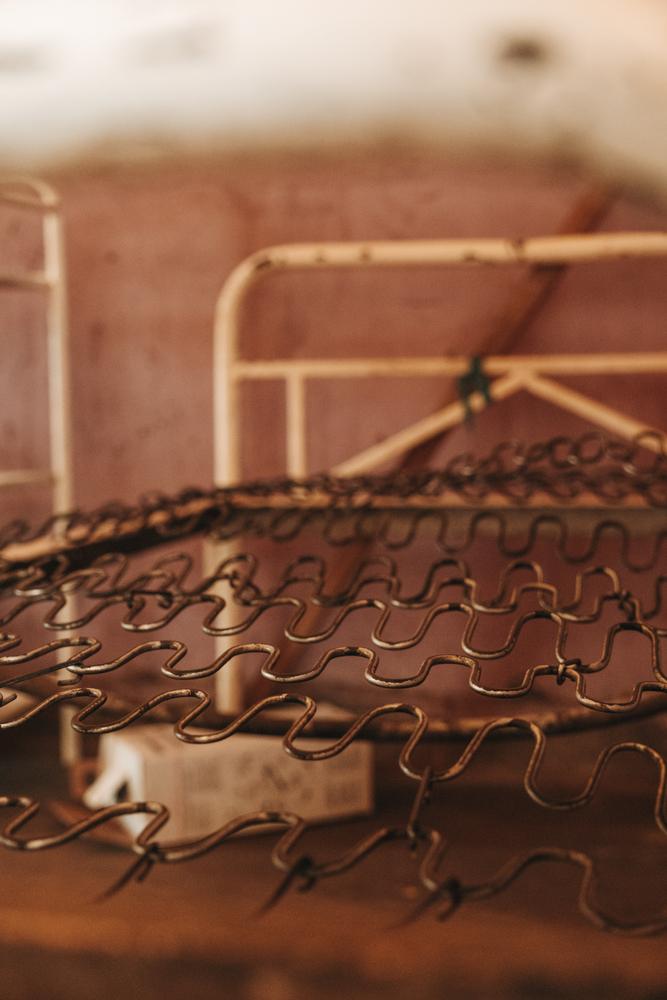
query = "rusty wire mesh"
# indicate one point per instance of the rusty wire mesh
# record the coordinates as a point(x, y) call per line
point(417, 566)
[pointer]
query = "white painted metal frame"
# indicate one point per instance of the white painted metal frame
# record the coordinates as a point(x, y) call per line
point(532, 373)
point(513, 373)
point(30, 195)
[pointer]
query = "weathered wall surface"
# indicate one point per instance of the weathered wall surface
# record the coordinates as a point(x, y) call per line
point(149, 248)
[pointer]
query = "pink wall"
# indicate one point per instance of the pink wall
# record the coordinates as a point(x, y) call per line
point(149, 248)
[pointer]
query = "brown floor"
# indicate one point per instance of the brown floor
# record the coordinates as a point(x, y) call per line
point(192, 929)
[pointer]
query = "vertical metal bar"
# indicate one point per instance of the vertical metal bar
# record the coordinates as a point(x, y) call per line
point(295, 413)
point(57, 331)
point(60, 420)
point(227, 467)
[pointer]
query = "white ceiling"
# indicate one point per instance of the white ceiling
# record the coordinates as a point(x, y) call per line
point(119, 79)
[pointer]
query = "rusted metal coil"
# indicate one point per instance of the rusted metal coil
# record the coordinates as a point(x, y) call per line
point(560, 471)
point(86, 559)
point(442, 891)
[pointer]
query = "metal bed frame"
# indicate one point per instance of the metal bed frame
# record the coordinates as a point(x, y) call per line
point(90, 556)
point(534, 374)
point(35, 196)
